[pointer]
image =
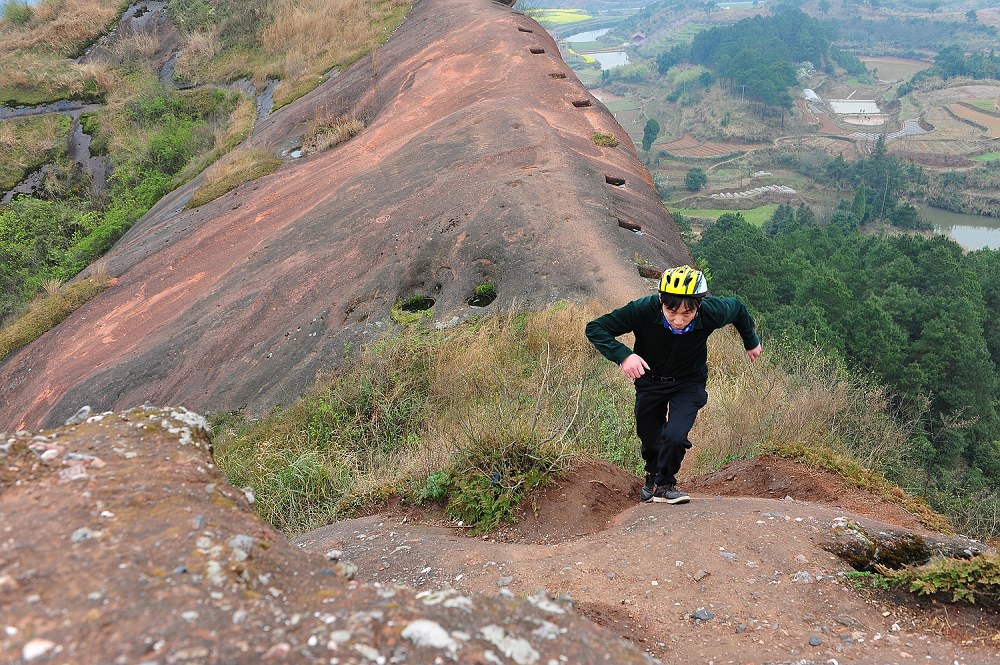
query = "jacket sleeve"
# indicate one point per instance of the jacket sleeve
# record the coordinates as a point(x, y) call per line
point(603, 330)
point(732, 310)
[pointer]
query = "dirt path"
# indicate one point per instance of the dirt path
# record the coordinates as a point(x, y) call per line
point(720, 580)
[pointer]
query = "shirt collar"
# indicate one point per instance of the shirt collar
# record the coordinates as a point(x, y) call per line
point(686, 329)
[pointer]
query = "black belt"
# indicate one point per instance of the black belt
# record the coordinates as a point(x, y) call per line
point(661, 379)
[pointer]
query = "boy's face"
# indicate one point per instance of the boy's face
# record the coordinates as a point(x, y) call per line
point(680, 317)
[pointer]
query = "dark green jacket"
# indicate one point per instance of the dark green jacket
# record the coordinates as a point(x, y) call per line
point(679, 356)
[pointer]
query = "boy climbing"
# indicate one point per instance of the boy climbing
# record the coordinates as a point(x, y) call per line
point(669, 366)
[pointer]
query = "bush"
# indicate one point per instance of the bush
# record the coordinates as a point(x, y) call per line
point(472, 417)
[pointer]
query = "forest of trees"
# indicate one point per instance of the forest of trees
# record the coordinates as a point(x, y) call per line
point(905, 34)
point(760, 54)
point(914, 312)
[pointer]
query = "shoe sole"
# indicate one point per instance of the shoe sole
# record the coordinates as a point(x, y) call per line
point(680, 499)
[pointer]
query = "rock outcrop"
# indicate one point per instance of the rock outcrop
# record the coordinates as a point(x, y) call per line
point(122, 544)
point(477, 164)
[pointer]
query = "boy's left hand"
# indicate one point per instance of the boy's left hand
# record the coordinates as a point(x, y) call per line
point(753, 353)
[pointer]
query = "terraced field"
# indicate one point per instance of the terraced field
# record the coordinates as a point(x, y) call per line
point(688, 146)
point(991, 122)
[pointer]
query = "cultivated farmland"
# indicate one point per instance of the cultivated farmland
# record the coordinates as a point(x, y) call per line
point(990, 122)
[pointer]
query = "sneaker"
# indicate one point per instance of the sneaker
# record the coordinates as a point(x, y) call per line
point(669, 494)
point(646, 493)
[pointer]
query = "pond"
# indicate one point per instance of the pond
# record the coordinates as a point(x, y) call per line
point(610, 59)
point(970, 231)
point(589, 36)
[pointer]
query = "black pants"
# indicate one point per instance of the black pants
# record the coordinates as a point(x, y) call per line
point(664, 415)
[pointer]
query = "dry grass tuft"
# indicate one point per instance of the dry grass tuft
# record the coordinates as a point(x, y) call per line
point(137, 47)
point(100, 73)
point(232, 171)
point(47, 311)
point(202, 45)
point(808, 400)
point(312, 36)
point(240, 125)
point(51, 286)
point(60, 26)
point(325, 133)
point(27, 143)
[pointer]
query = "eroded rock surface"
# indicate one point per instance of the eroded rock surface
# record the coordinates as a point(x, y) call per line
point(121, 543)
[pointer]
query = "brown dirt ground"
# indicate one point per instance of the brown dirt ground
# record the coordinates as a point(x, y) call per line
point(738, 549)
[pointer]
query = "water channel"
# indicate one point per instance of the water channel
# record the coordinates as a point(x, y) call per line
point(970, 231)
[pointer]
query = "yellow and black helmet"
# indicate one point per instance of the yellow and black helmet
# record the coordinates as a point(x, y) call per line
point(683, 281)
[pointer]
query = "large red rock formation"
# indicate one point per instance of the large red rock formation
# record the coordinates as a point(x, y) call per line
point(477, 164)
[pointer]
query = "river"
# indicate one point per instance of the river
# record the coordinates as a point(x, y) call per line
point(970, 231)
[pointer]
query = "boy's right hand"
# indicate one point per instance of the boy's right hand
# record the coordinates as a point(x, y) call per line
point(633, 367)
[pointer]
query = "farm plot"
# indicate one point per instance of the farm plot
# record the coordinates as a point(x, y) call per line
point(558, 16)
point(626, 112)
point(688, 146)
point(830, 146)
point(895, 69)
point(991, 123)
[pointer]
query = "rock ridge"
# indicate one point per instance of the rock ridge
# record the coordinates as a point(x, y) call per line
point(476, 165)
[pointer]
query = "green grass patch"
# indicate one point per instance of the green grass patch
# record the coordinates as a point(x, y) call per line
point(92, 125)
point(679, 75)
point(588, 46)
point(587, 59)
point(985, 104)
point(756, 216)
point(866, 581)
point(232, 171)
point(28, 143)
point(46, 311)
point(558, 16)
point(987, 157)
